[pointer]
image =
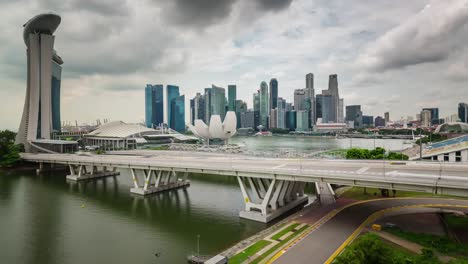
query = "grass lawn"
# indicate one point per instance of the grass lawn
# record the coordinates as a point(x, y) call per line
point(279, 245)
point(357, 193)
point(442, 244)
point(162, 147)
point(250, 251)
point(284, 231)
point(456, 221)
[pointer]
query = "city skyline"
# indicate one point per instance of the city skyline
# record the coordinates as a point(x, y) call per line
point(371, 74)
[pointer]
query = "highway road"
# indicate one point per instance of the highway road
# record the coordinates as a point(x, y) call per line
point(448, 178)
point(331, 237)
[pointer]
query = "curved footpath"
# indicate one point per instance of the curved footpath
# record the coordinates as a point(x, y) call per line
point(327, 239)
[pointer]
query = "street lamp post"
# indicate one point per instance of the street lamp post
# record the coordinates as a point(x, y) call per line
point(198, 245)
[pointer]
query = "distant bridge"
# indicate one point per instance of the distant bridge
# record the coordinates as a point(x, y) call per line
point(269, 186)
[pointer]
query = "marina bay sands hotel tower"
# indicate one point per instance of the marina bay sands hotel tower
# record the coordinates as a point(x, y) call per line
point(41, 113)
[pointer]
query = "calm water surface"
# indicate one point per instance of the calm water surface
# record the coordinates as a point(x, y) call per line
point(45, 219)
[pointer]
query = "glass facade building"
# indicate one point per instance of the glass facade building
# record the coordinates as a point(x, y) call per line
point(291, 120)
point(463, 112)
point(264, 108)
point(273, 93)
point(302, 120)
point(55, 90)
point(325, 108)
point(177, 117)
point(354, 114)
point(215, 102)
point(154, 105)
point(232, 97)
point(172, 92)
point(434, 115)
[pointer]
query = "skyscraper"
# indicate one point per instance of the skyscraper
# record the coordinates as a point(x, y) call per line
point(41, 112)
point(154, 105)
point(291, 120)
point(333, 90)
point(273, 118)
point(354, 114)
point(232, 97)
point(434, 115)
point(325, 108)
point(172, 92)
point(299, 98)
point(256, 104)
point(215, 102)
point(310, 94)
point(379, 122)
point(426, 118)
point(387, 117)
point(264, 108)
point(463, 112)
point(302, 120)
point(177, 117)
point(241, 107)
point(199, 106)
point(273, 93)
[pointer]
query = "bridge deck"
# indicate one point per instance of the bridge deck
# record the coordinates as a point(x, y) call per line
point(448, 178)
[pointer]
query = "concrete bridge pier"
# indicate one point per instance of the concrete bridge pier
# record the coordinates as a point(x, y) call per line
point(148, 181)
point(267, 199)
point(83, 172)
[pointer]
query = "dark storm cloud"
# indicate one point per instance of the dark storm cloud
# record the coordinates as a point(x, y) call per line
point(204, 13)
point(273, 5)
point(196, 13)
point(103, 7)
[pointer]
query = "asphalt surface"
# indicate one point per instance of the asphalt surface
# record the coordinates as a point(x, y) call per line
point(319, 245)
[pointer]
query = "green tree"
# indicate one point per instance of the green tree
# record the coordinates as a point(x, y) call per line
point(9, 152)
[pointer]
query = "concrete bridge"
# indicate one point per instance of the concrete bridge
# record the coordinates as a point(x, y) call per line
point(269, 187)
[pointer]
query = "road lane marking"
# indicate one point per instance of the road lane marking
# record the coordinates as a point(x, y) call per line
point(279, 166)
point(334, 212)
point(362, 170)
point(376, 215)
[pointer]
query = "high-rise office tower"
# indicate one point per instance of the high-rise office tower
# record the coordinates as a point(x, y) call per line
point(325, 107)
point(299, 98)
point(241, 107)
point(387, 117)
point(463, 112)
point(273, 118)
point(172, 92)
point(154, 105)
point(273, 93)
point(302, 120)
point(310, 93)
point(199, 107)
point(426, 118)
point(192, 111)
point(41, 112)
point(434, 115)
point(177, 117)
point(354, 114)
point(291, 120)
point(379, 122)
point(232, 97)
point(264, 108)
point(333, 90)
point(340, 115)
point(281, 113)
point(367, 121)
point(256, 108)
point(215, 102)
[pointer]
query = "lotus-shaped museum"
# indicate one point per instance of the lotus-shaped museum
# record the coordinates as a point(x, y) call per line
point(216, 129)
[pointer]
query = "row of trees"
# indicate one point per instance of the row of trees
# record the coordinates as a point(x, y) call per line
point(9, 151)
point(375, 154)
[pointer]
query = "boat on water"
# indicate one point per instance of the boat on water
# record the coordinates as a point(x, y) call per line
point(263, 134)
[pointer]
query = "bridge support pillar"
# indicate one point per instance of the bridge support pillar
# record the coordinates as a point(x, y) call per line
point(276, 198)
point(83, 172)
point(152, 181)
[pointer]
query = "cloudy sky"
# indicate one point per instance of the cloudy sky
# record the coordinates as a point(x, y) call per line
point(396, 56)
